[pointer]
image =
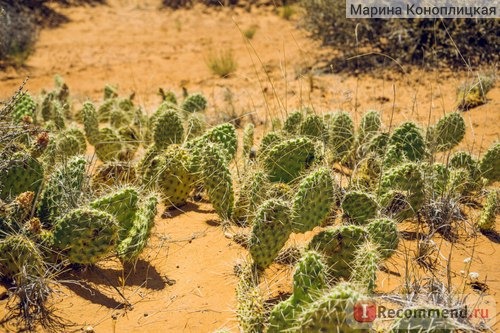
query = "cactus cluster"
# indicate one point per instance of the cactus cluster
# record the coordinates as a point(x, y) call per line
point(317, 170)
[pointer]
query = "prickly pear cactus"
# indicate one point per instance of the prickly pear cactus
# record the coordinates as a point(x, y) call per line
point(408, 142)
point(168, 96)
point(62, 191)
point(18, 254)
point(407, 178)
point(19, 173)
point(107, 145)
point(194, 103)
point(286, 160)
point(359, 207)
point(225, 136)
point(168, 129)
point(174, 180)
point(122, 205)
point(90, 123)
point(437, 176)
point(195, 126)
point(137, 237)
point(309, 280)
point(330, 312)
point(86, 235)
point(413, 321)
point(15, 213)
point(370, 124)
point(341, 133)
point(384, 233)
point(248, 139)
point(490, 163)
point(271, 229)
point(268, 141)
point(314, 200)
point(487, 219)
point(447, 133)
point(283, 316)
point(113, 173)
point(280, 191)
point(24, 106)
point(250, 311)
point(314, 127)
point(338, 246)
point(376, 144)
point(310, 277)
point(366, 263)
point(252, 193)
point(217, 180)
point(292, 122)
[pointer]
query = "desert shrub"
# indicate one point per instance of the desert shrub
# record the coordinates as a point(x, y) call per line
point(17, 34)
point(432, 42)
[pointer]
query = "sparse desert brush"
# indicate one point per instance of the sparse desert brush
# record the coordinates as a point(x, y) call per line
point(17, 34)
point(427, 42)
point(222, 63)
point(474, 94)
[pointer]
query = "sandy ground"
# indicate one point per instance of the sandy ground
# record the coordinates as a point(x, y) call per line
point(185, 282)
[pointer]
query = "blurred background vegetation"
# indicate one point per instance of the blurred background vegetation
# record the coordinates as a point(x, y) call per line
point(422, 42)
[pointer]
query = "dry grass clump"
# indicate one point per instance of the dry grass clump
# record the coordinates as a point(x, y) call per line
point(222, 63)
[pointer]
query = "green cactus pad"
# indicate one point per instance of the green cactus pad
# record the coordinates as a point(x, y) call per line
point(359, 207)
point(341, 132)
point(194, 103)
point(132, 246)
point(225, 136)
point(62, 191)
point(313, 201)
point(271, 229)
point(19, 173)
point(330, 312)
point(168, 129)
point(314, 127)
point(248, 139)
point(286, 160)
point(490, 163)
point(408, 178)
point(24, 106)
point(384, 233)
point(424, 319)
point(86, 235)
point(310, 277)
point(19, 255)
point(366, 263)
point(108, 145)
point(174, 180)
point(292, 122)
point(408, 141)
point(448, 132)
point(338, 246)
point(195, 126)
point(252, 193)
point(217, 180)
point(487, 219)
point(122, 205)
point(370, 124)
point(90, 122)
